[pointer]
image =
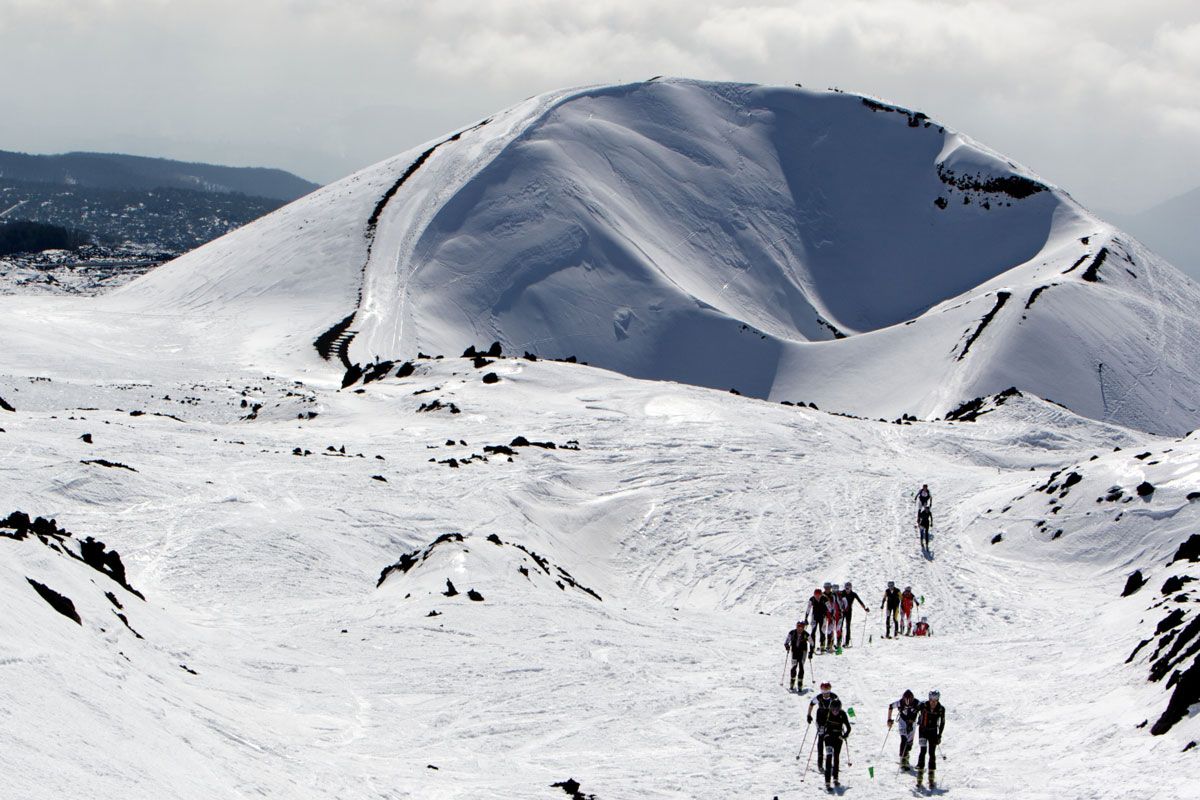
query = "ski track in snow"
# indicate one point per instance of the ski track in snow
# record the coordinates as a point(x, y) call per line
point(703, 520)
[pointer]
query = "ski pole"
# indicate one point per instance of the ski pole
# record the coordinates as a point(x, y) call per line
point(783, 678)
point(846, 742)
point(811, 750)
point(803, 741)
point(885, 738)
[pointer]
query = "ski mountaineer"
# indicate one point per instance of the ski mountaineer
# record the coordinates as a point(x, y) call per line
point(837, 728)
point(906, 709)
point(924, 523)
point(816, 615)
point(924, 497)
point(922, 628)
point(837, 608)
point(823, 701)
point(931, 721)
point(891, 599)
point(850, 597)
point(797, 643)
point(907, 601)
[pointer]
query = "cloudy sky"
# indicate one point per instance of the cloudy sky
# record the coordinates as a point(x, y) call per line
point(1101, 97)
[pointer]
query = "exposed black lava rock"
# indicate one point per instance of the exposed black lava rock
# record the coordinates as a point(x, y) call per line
point(405, 370)
point(499, 449)
point(377, 370)
point(480, 362)
point(491, 377)
point(435, 404)
point(450, 590)
point(86, 438)
point(1189, 550)
point(494, 539)
point(530, 356)
point(571, 787)
point(1186, 694)
point(102, 462)
point(1001, 299)
point(474, 595)
point(1175, 583)
point(4, 405)
point(58, 602)
point(1145, 489)
point(1133, 583)
point(1169, 621)
point(379, 478)
point(998, 538)
point(1092, 273)
point(353, 373)
point(494, 351)
point(1193, 496)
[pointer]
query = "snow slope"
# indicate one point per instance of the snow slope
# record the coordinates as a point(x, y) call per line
point(398, 588)
point(699, 520)
point(791, 244)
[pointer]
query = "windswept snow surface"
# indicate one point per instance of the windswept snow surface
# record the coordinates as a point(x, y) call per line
point(791, 244)
point(273, 665)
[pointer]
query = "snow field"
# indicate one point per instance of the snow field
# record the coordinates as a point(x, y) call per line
point(703, 520)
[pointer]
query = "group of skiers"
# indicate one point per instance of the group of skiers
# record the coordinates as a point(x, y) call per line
point(826, 627)
point(830, 611)
point(898, 613)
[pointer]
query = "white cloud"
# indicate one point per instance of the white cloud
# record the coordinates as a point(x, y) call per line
point(1102, 97)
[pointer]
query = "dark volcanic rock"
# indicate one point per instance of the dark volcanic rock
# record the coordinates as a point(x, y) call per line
point(491, 377)
point(1145, 489)
point(58, 602)
point(1135, 582)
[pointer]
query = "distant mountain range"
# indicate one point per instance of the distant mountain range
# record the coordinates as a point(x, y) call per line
point(116, 171)
point(171, 206)
point(1169, 229)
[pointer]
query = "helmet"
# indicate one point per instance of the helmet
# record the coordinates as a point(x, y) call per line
point(924, 619)
point(847, 584)
point(801, 624)
point(828, 584)
point(818, 591)
point(891, 584)
point(836, 703)
point(826, 685)
point(908, 588)
point(934, 694)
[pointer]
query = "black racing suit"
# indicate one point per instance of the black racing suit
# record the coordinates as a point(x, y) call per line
point(837, 728)
point(797, 643)
point(816, 616)
point(931, 722)
point(822, 702)
point(851, 596)
point(907, 713)
point(924, 523)
point(891, 599)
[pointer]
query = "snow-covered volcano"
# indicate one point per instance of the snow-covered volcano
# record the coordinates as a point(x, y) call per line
point(500, 577)
point(790, 244)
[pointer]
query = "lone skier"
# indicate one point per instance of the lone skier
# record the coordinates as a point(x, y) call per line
point(931, 721)
point(823, 702)
point(924, 523)
point(797, 644)
point(891, 599)
point(837, 728)
point(906, 709)
point(907, 601)
point(850, 596)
